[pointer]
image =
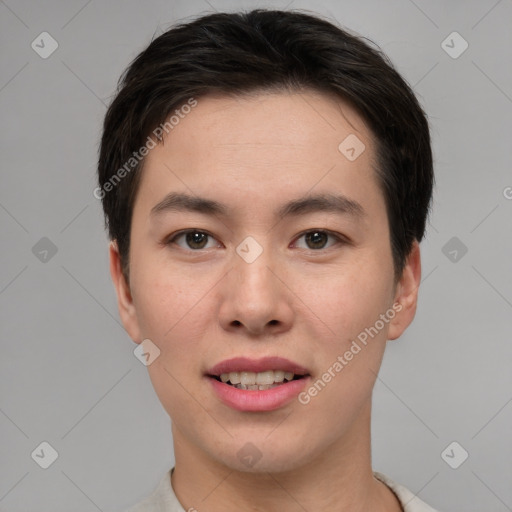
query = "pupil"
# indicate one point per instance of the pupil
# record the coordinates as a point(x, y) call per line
point(196, 238)
point(316, 238)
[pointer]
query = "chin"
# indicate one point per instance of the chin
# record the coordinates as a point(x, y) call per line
point(264, 465)
point(253, 454)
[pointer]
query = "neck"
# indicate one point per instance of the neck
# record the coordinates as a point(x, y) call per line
point(339, 478)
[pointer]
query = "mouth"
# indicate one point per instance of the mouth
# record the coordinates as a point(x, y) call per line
point(257, 381)
point(257, 385)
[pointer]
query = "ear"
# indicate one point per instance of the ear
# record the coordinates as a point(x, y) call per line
point(125, 304)
point(406, 295)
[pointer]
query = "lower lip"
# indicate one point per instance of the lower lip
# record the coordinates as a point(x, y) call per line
point(258, 400)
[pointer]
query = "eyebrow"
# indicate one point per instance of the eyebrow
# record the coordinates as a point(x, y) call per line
point(334, 203)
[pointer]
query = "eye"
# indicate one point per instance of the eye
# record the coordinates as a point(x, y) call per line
point(317, 239)
point(194, 239)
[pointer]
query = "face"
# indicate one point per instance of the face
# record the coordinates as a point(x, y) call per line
point(255, 236)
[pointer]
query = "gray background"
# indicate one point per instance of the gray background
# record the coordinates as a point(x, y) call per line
point(68, 373)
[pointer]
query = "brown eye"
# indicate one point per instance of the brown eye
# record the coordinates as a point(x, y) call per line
point(318, 239)
point(194, 239)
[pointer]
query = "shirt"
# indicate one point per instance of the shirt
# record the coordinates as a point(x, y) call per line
point(163, 499)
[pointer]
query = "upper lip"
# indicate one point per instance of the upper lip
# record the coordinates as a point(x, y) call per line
point(238, 364)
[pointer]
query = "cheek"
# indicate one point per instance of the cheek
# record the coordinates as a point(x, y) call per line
point(348, 356)
point(172, 314)
point(178, 396)
point(165, 298)
point(349, 298)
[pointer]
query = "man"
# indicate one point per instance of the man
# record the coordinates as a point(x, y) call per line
point(266, 179)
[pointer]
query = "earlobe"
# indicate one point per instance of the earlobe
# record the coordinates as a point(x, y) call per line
point(406, 296)
point(125, 303)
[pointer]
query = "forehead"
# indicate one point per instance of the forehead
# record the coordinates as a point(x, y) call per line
point(265, 145)
point(292, 120)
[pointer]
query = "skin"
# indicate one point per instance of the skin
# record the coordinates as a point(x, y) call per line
point(203, 305)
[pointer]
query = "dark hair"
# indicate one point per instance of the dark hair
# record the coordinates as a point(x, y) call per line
point(240, 53)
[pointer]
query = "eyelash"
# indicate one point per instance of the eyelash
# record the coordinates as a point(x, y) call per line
point(339, 239)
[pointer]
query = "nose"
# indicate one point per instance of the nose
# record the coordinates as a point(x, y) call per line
point(255, 298)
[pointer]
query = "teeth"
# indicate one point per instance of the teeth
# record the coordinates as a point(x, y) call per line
point(279, 376)
point(247, 378)
point(255, 387)
point(234, 377)
point(253, 380)
point(265, 377)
